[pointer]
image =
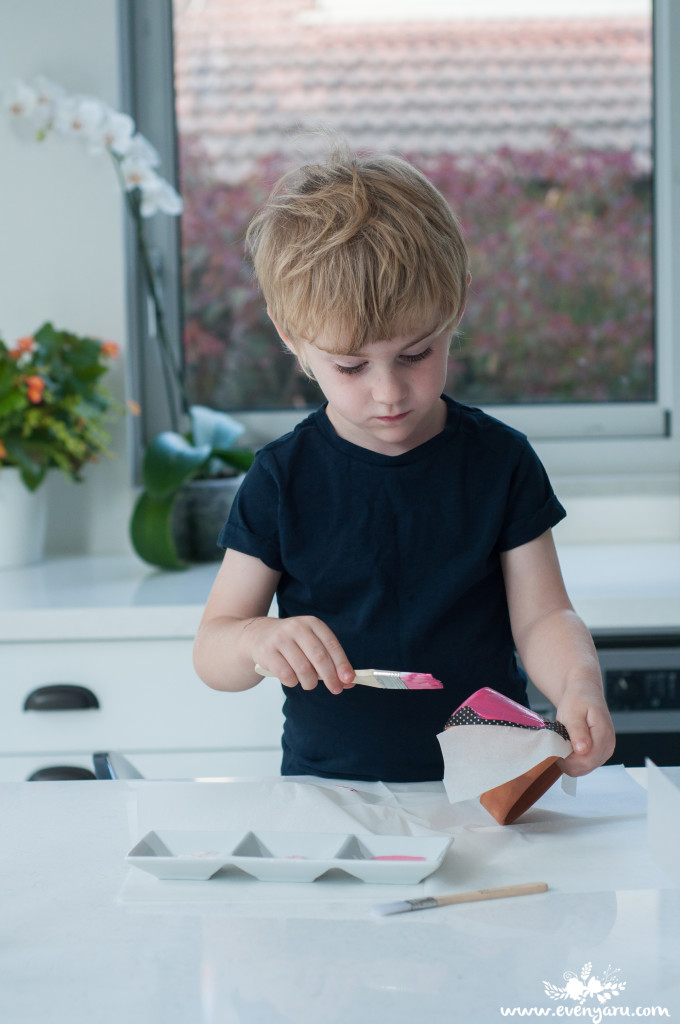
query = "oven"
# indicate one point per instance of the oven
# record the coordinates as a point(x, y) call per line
point(641, 673)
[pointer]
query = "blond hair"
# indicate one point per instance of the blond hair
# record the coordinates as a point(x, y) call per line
point(360, 249)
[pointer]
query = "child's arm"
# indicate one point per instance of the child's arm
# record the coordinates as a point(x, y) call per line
point(557, 650)
point(236, 632)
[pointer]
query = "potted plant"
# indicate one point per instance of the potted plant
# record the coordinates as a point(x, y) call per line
point(189, 483)
point(200, 444)
point(53, 414)
point(53, 405)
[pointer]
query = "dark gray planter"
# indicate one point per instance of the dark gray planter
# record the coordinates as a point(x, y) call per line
point(199, 513)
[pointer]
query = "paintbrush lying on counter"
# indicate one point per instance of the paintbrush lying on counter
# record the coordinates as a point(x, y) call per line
point(385, 679)
point(429, 902)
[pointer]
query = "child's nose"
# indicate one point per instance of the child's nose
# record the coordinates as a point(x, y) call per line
point(388, 388)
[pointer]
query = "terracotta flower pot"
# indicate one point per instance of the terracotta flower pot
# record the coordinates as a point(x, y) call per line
point(501, 752)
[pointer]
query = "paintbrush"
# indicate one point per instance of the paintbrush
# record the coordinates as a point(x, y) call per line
point(385, 679)
point(429, 902)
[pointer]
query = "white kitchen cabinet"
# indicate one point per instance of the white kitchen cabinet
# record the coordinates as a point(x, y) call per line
point(95, 654)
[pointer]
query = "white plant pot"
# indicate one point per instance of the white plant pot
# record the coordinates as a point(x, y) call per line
point(23, 520)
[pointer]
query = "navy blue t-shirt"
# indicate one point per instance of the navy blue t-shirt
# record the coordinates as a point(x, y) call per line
point(399, 556)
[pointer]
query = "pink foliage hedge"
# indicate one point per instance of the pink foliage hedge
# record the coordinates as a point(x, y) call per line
point(561, 306)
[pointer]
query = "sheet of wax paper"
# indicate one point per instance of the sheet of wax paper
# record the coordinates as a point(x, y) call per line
point(481, 757)
point(596, 842)
point(663, 818)
point(304, 804)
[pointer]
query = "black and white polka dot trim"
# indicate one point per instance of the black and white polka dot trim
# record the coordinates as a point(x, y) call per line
point(466, 716)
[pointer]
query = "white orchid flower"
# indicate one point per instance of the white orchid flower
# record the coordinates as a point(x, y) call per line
point(47, 90)
point(21, 102)
point(41, 106)
point(79, 116)
point(137, 173)
point(20, 99)
point(159, 195)
point(114, 133)
point(48, 94)
point(141, 149)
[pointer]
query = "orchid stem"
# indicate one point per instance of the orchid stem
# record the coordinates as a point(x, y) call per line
point(171, 370)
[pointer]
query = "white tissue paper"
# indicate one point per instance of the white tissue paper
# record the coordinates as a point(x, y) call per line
point(477, 759)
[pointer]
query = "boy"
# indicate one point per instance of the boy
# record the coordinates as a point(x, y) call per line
point(398, 528)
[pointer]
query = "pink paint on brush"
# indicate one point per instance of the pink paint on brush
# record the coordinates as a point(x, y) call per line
point(421, 681)
point(489, 703)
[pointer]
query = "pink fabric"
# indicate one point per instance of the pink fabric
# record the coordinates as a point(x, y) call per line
point(490, 704)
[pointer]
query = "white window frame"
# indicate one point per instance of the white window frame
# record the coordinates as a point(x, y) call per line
point(574, 439)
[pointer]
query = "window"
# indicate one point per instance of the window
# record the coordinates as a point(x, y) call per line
point(539, 131)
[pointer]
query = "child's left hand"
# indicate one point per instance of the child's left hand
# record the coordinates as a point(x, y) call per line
point(586, 718)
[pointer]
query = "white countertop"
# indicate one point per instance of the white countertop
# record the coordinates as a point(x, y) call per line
point(101, 597)
point(613, 587)
point(89, 938)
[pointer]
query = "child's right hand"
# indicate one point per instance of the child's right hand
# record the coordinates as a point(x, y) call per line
point(301, 649)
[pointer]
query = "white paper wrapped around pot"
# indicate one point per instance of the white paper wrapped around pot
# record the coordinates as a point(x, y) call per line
point(501, 752)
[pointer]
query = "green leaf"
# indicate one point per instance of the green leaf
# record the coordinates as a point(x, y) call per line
point(169, 461)
point(47, 335)
point(239, 458)
point(151, 532)
point(32, 471)
point(14, 401)
point(217, 429)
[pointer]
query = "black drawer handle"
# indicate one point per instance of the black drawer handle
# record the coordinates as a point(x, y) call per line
point(60, 773)
point(60, 697)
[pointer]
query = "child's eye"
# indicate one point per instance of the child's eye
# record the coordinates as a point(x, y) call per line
point(405, 359)
point(349, 369)
point(416, 359)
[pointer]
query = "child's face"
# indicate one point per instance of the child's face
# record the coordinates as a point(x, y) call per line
point(387, 397)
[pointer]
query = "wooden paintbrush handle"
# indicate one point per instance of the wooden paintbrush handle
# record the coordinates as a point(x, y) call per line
point(363, 676)
point(523, 889)
point(366, 677)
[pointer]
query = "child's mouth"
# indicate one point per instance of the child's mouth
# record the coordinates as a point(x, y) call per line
point(392, 419)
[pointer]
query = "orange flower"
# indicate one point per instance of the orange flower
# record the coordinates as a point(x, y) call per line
point(3, 451)
point(133, 407)
point(36, 386)
point(110, 349)
point(23, 345)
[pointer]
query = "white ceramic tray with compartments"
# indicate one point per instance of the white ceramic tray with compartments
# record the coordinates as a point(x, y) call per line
point(288, 856)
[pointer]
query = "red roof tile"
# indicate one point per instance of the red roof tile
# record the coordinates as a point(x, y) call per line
point(250, 72)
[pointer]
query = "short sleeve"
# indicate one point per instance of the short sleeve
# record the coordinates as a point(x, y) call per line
point(532, 506)
point(252, 526)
